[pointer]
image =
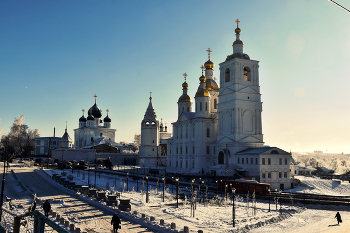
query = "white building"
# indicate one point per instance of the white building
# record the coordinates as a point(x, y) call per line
point(223, 135)
point(93, 128)
point(152, 151)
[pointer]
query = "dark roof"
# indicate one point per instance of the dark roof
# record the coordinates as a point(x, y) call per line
point(107, 119)
point(95, 111)
point(258, 150)
point(82, 118)
point(190, 115)
point(238, 55)
point(90, 118)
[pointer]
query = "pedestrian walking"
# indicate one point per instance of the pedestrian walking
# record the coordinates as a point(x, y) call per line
point(47, 208)
point(338, 218)
point(116, 222)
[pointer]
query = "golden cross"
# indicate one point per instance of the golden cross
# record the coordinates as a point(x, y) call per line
point(209, 51)
point(150, 95)
point(95, 98)
point(185, 75)
point(107, 111)
point(202, 67)
point(237, 21)
point(83, 111)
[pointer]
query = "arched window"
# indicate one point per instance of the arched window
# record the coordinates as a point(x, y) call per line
point(147, 123)
point(206, 106)
point(153, 123)
point(215, 103)
point(200, 106)
point(246, 74)
point(221, 158)
point(227, 75)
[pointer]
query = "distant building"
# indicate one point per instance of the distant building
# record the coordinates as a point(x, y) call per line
point(93, 128)
point(42, 144)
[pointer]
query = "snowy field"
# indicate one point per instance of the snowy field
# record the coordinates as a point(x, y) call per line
point(216, 216)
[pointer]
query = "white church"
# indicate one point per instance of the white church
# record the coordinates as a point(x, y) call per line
point(220, 132)
point(93, 130)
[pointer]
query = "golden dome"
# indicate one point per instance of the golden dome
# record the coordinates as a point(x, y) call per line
point(202, 93)
point(237, 30)
point(185, 98)
point(185, 85)
point(202, 78)
point(211, 85)
point(209, 64)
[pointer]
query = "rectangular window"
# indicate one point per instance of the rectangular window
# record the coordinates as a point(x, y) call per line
point(247, 161)
point(208, 133)
point(177, 163)
point(269, 161)
point(177, 150)
point(186, 132)
point(238, 160)
point(256, 160)
point(280, 161)
point(181, 163)
point(280, 174)
point(269, 175)
point(181, 150)
point(242, 160)
point(251, 160)
point(285, 161)
point(193, 132)
point(208, 150)
point(177, 133)
point(192, 149)
point(181, 133)
point(214, 150)
point(193, 164)
point(285, 175)
point(186, 152)
point(186, 164)
point(263, 175)
point(263, 161)
point(54, 143)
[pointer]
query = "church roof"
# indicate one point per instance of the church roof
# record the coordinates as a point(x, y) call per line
point(211, 85)
point(260, 150)
point(150, 114)
point(190, 115)
point(95, 111)
point(66, 137)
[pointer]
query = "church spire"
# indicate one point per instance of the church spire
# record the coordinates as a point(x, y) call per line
point(150, 113)
point(238, 44)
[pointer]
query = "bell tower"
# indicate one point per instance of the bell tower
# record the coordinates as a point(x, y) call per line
point(240, 106)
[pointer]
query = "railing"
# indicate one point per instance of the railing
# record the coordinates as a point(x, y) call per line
point(39, 222)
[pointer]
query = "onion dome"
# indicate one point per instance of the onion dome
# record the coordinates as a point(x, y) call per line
point(185, 85)
point(185, 98)
point(82, 119)
point(237, 30)
point(90, 118)
point(107, 119)
point(209, 64)
point(202, 93)
point(95, 111)
point(211, 85)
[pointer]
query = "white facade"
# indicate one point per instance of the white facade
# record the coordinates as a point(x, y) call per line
point(225, 129)
point(93, 128)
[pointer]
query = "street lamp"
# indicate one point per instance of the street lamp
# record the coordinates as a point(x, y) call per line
point(147, 194)
point(127, 182)
point(276, 199)
point(201, 190)
point(217, 188)
point(269, 198)
point(172, 185)
point(226, 191)
point(177, 192)
point(233, 206)
point(163, 187)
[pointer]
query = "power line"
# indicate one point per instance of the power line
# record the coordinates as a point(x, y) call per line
point(339, 5)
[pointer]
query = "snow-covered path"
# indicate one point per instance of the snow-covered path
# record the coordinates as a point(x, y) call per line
point(88, 218)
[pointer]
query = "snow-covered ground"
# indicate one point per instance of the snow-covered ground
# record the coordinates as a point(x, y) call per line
point(217, 215)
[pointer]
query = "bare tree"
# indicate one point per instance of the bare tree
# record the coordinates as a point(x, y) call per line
point(20, 140)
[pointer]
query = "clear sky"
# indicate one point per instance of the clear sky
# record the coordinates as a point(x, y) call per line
point(55, 55)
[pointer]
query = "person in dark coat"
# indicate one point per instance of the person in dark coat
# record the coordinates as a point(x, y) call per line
point(338, 217)
point(115, 221)
point(47, 208)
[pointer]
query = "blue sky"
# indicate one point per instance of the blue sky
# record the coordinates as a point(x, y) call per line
point(55, 55)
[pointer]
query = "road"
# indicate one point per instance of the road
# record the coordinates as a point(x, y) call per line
point(86, 217)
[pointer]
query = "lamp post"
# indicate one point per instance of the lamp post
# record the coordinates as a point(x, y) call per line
point(201, 190)
point(269, 198)
point(225, 191)
point(276, 199)
point(137, 179)
point(147, 194)
point(217, 188)
point(163, 187)
point(177, 192)
point(233, 206)
point(127, 182)
point(304, 197)
point(2, 187)
point(172, 185)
